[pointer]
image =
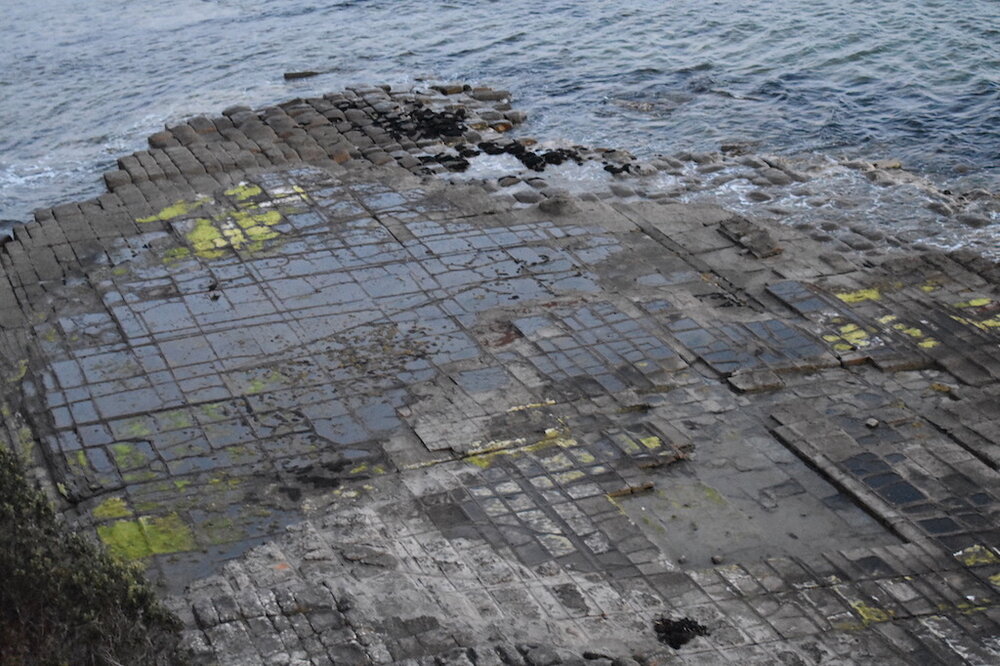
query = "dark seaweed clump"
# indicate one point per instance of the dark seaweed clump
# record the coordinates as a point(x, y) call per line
point(63, 599)
point(677, 633)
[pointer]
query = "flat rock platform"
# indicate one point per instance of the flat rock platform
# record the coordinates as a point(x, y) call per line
point(349, 411)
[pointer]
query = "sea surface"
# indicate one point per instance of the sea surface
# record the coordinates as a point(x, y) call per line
point(83, 82)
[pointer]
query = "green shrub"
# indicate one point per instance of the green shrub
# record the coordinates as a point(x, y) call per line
point(63, 599)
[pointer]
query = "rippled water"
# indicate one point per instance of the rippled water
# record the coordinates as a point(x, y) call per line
point(82, 82)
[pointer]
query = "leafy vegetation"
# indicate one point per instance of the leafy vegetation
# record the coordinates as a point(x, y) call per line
point(63, 598)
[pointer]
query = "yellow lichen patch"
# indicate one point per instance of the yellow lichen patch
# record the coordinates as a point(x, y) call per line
point(627, 444)
point(976, 555)
point(174, 210)
point(853, 333)
point(247, 228)
point(930, 286)
point(533, 405)
point(995, 579)
point(113, 507)
point(981, 324)
point(243, 191)
point(870, 614)
point(485, 455)
point(19, 371)
point(924, 341)
point(848, 337)
point(974, 303)
point(859, 296)
point(652, 442)
point(568, 477)
point(247, 219)
point(206, 240)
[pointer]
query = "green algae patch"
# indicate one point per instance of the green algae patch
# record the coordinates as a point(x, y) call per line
point(243, 191)
point(149, 535)
point(125, 539)
point(176, 254)
point(213, 411)
point(127, 456)
point(136, 428)
point(174, 210)
point(113, 507)
point(175, 419)
point(167, 534)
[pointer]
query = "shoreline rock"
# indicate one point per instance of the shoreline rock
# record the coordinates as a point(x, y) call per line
point(347, 407)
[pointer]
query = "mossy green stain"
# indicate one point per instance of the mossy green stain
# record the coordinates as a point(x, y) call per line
point(125, 538)
point(213, 411)
point(176, 254)
point(871, 614)
point(113, 507)
point(78, 461)
point(167, 534)
point(127, 456)
point(137, 428)
point(176, 419)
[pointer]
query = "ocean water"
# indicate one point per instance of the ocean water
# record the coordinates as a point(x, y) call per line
point(83, 82)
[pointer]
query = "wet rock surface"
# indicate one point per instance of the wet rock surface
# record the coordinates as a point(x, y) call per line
point(347, 409)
